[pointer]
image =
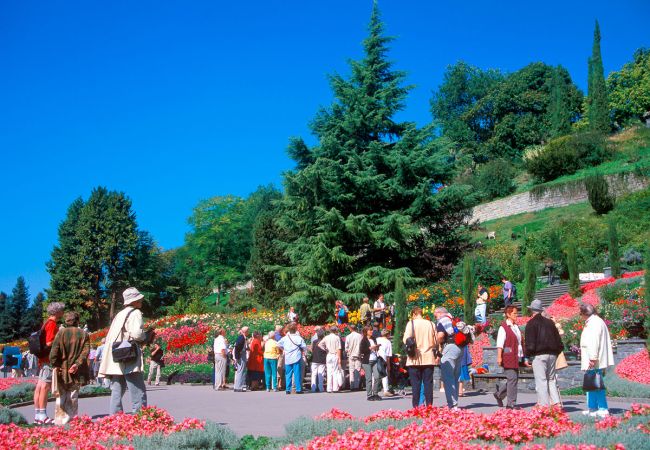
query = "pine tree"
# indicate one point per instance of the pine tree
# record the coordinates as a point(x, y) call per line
point(598, 193)
point(614, 254)
point(530, 270)
point(597, 102)
point(572, 265)
point(6, 325)
point(35, 312)
point(20, 305)
point(468, 290)
point(359, 211)
point(558, 110)
point(401, 317)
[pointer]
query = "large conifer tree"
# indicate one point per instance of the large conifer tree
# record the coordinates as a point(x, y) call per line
point(19, 307)
point(6, 322)
point(360, 208)
point(597, 102)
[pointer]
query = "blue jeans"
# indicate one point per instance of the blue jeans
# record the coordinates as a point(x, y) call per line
point(597, 399)
point(292, 371)
point(450, 365)
point(271, 373)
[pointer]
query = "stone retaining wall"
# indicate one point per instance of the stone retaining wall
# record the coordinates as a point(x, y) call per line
point(553, 198)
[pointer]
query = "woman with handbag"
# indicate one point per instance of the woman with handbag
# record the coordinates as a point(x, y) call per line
point(122, 360)
point(596, 356)
point(368, 348)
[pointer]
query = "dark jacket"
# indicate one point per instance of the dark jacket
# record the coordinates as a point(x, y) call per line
point(364, 349)
point(240, 346)
point(318, 355)
point(71, 346)
point(542, 337)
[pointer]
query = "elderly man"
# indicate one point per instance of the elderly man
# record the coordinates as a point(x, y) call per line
point(293, 347)
point(241, 360)
point(365, 312)
point(452, 354)
point(332, 345)
point(127, 326)
point(69, 359)
point(44, 384)
point(353, 349)
point(542, 341)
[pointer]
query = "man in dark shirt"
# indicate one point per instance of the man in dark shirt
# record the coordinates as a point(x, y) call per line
point(318, 360)
point(543, 342)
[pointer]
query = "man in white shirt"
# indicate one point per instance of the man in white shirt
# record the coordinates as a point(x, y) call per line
point(332, 345)
point(352, 343)
point(385, 352)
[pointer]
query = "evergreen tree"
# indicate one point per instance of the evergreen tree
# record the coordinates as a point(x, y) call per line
point(6, 325)
point(597, 102)
point(614, 254)
point(468, 290)
point(35, 312)
point(559, 114)
point(19, 307)
point(572, 266)
point(360, 210)
point(401, 317)
point(530, 271)
point(598, 193)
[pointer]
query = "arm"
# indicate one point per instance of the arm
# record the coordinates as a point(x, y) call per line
point(530, 337)
point(82, 356)
point(407, 332)
point(501, 340)
point(135, 326)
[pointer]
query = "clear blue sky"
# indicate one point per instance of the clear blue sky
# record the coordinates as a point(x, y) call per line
point(174, 102)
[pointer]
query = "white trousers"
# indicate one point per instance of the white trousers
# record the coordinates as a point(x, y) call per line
point(332, 362)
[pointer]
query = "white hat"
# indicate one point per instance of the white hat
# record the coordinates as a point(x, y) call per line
point(131, 295)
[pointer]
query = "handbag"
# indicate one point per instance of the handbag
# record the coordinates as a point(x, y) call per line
point(381, 367)
point(411, 345)
point(125, 351)
point(560, 362)
point(593, 381)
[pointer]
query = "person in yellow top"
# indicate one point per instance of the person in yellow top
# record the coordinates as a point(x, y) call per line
point(271, 355)
point(365, 312)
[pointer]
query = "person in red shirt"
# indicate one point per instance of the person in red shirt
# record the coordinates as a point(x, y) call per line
point(256, 362)
point(44, 384)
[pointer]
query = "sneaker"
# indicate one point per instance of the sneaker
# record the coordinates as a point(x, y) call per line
point(298, 392)
point(275, 390)
point(499, 400)
point(587, 412)
point(288, 392)
point(377, 398)
point(388, 394)
point(371, 399)
point(602, 413)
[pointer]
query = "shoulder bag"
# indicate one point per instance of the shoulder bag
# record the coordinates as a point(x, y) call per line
point(125, 351)
point(410, 344)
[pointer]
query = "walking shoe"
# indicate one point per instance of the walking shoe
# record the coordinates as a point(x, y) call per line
point(499, 400)
point(377, 398)
point(239, 390)
point(388, 394)
point(288, 392)
point(371, 399)
point(602, 413)
point(587, 412)
point(298, 392)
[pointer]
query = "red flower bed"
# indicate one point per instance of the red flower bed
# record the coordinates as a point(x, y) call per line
point(6, 383)
point(185, 337)
point(83, 433)
point(635, 367)
point(476, 349)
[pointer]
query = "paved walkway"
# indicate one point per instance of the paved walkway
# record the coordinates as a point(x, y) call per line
point(266, 413)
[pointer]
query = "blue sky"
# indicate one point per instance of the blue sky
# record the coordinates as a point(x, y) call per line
point(174, 102)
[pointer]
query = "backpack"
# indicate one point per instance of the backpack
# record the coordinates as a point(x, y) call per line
point(410, 345)
point(463, 333)
point(514, 290)
point(37, 344)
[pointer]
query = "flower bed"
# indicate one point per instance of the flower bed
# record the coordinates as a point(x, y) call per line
point(635, 367)
point(103, 433)
point(6, 383)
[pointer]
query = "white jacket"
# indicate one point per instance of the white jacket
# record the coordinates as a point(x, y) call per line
point(134, 331)
point(595, 343)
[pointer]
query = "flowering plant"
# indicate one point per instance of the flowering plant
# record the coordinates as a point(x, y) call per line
point(635, 367)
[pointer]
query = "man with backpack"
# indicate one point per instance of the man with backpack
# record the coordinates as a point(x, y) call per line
point(40, 344)
point(420, 342)
point(452, 354)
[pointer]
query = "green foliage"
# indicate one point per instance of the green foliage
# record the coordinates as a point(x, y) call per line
point(213, 436)
point(614, 254)
point(572, 266)
point(361, 208)
point(17, 393)
point(598, 193)
point(20, 304)
point(559, 115)
point(249, 442)
point(495, 179)
point(567, 154)
point(468, 290)
point(91, 390)
point(629, 89)
point(597, 103)
point(530, 267)
point(8, 416)
point(401, 316)
point(6, 319)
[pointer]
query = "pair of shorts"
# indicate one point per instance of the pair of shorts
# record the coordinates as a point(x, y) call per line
point(45, 374)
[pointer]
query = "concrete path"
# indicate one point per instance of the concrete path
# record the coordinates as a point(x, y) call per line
point(262, 413)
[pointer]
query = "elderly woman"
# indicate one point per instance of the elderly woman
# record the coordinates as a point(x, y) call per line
point(255, 362)
point(271, 355)
point(220, 348)
point(596, 356)
point(509, 352)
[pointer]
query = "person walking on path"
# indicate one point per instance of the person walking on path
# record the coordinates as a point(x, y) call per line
point(385, 352)
point(155, 363)
point(241, 360)
point(318, 363)
point(353, 350)
point(452, 356)
point(597, 356)
point(332, 345)
point(369, 363)
point(293, 346)
point(126, 326)
point(509, 353)
point(508, 292)
point(44, 384)
point(420, 366)
point(365, 312)
point(543, 343)
point(220, 349)
point(480, 312)
point(69, 360)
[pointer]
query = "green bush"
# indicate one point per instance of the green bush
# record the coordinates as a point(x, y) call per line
point(214, 436)
point(8, 416)
point(92, 390)
point(598, 193)
point(566, 155)
point(626, 434)
point(495, 179)
point(18, 393)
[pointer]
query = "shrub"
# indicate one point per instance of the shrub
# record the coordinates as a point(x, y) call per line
point(495, 179)
point(91, 390)
point(572, 265)
point(8, 416)
point(614, 258)
point(468, 290)
point(213, 436)
point(598, 193)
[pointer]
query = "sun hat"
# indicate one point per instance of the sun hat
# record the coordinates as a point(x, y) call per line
point(131, 295)
point(536, 306)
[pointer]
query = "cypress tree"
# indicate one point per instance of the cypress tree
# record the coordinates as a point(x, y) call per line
point(598, 193)
point(558, 110)
point(35, 312)
point(614, 256)
point(6, 325)
point(401, 317)
point(597, 102)
point(19, 307)
point(469, 299)
point(572, 266)
point(530, 270)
